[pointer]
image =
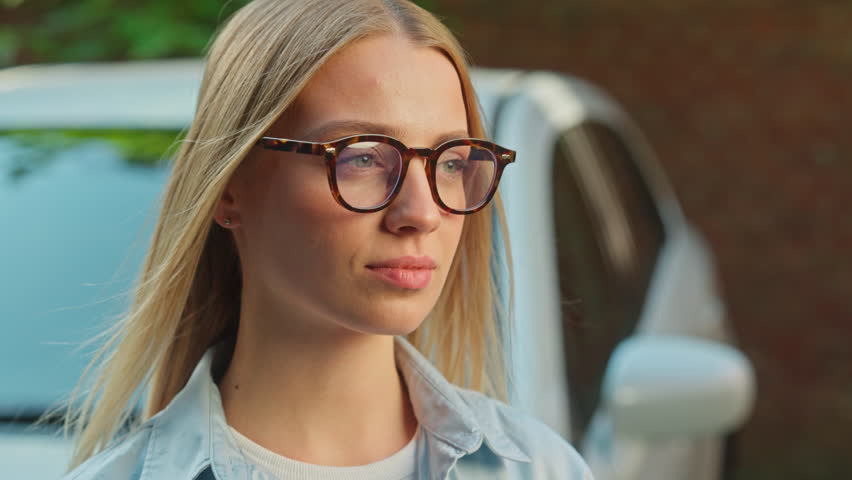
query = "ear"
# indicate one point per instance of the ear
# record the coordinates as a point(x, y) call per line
point(226, 213)
point(234, 199)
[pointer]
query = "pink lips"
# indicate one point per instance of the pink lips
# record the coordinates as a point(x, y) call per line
point(408, 272)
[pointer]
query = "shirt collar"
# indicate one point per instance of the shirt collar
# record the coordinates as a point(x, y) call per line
point(457, 416)
point(192, 432)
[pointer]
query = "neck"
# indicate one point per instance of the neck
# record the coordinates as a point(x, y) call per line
point(327, 399)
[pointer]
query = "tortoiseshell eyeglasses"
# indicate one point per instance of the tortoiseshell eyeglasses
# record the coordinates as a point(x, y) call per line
point(365, 172)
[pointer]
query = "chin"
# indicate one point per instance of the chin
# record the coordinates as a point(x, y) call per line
point(389, 321)
point(393, 326)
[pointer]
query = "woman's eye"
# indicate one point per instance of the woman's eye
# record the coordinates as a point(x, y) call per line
point(453, 167)
point(363, 161)
point(360, 161)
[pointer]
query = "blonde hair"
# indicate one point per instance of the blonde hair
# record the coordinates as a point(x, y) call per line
point(188, 294)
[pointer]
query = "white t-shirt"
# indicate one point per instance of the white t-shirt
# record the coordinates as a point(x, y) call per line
point(399, 466)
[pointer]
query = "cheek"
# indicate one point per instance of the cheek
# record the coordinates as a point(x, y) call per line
point(450, 234)
point(294, 225)
point(453, 231)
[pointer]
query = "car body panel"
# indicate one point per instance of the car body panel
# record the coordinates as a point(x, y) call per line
point(28, 453)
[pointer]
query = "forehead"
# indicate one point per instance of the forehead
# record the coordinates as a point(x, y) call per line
point(384, 79)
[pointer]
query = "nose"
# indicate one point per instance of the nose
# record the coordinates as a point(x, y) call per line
point(413, 210)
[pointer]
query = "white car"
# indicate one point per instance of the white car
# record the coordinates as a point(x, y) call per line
point(620, 340)
point(622, 343)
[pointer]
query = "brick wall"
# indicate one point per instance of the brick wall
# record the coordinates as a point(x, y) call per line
point(749, 105)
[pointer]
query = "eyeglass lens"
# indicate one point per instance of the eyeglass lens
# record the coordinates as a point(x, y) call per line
point(368, 172)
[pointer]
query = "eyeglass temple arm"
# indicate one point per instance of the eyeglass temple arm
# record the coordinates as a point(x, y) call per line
point(294, 146)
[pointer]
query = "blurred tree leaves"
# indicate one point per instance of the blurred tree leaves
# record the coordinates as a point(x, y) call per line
point(134, 147)
point(28, 151)
point(90, 30)
point(43, 31)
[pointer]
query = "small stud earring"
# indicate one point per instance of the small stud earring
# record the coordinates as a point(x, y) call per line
point(227, 221)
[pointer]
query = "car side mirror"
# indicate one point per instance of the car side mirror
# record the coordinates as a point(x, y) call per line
point(677, 386)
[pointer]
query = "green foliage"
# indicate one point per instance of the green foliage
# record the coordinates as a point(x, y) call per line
point(92, 30)
point(30, 150)
point(48, 31)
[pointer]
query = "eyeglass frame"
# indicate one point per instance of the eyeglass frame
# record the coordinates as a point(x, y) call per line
point(503, 156)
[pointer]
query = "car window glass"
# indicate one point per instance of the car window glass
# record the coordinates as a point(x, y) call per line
point(608, 236)
point(76, 210)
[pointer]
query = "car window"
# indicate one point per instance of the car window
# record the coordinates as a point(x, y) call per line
point(608, 236)
point(76, 209)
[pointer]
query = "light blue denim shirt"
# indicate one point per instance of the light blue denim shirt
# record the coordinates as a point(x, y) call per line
point(466, 436)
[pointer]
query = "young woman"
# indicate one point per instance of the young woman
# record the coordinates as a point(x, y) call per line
point(326, 229)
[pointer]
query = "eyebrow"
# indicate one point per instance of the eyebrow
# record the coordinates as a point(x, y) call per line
point(341, 128)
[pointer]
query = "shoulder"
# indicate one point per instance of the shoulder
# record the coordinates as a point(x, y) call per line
point(550, 455)
point(121, 460)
